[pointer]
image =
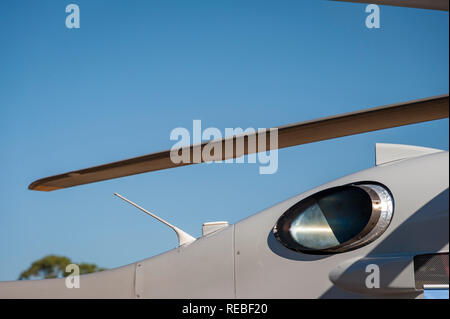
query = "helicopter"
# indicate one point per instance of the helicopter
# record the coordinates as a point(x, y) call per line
point(377, 233)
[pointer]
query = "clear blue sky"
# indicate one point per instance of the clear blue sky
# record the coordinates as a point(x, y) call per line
point(135, 70)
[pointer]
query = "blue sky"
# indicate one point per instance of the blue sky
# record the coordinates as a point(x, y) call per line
point(135, 70)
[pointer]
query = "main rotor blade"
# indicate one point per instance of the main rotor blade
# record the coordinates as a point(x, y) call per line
point(420, 4)
point(367, 120)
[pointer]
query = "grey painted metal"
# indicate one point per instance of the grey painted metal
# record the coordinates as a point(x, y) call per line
point(203, 269)
point(435, 287)
point(246, 261)
point(112, 284)
point(211, 227)
point(385, 153)
point(396, 275)
point(267, 269)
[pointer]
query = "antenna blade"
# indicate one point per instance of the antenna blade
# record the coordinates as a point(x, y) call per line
point(419, 4)
point(367, 120)
point(183, 237)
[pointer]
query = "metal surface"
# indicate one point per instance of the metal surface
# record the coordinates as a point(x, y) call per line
point(431, 269)
point(435, 287)
point(420, 4)
point(245, 260)
point(385, 153)
point(183, 237)
point(355, 215)
point(203, 269)
point(211, 227)
point(294, 134)
point(267, 269)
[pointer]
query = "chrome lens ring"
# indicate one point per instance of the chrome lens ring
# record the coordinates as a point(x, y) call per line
point(337, 219)
point(383, 204)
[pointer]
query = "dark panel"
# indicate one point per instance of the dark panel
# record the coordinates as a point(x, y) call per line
point(431, 269)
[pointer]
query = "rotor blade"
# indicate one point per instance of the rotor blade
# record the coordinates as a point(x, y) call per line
point(294, 134)
point(420, 4)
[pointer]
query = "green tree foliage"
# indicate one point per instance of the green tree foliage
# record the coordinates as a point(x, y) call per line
point(53, 266)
